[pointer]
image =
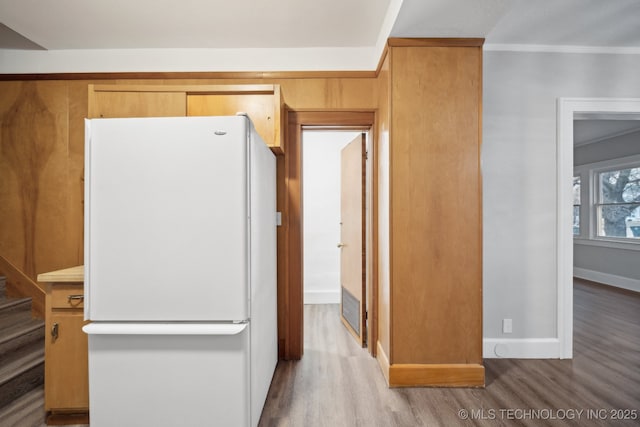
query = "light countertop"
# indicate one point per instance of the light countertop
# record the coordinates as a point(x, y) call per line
point(73, 274)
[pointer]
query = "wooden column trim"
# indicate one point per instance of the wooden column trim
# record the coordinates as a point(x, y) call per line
point(436, 375)
point(383, 361)
point(429, 375)
point(294, 318)
point(435, 42)
point(188, 75)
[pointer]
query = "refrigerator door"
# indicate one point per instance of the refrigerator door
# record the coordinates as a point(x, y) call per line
point(187, 375)
point(166, 219)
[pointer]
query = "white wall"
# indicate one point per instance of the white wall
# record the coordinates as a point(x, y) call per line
point(519, 185)
point(321, 210)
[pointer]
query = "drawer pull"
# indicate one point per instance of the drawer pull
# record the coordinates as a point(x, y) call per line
point(75, 298)
point(54, 331)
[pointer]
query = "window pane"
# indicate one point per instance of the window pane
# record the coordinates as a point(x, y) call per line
point(620, 186)
point(619, 200)
point(619, 220)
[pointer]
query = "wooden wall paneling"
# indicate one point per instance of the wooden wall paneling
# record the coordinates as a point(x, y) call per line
point(436, 272)
point(78, 107)
point(381, 174)
point(12, 243)
point(35, 162)
point(307, 93)
point(55, 243)
point(322, 93)
point(294, 294)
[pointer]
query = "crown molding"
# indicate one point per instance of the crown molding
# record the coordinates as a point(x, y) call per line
point(541, 48)
point(606, 137)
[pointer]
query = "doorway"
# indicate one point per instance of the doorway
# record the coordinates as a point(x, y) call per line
point(335, 196)
point(293, 286)
point(568, 109)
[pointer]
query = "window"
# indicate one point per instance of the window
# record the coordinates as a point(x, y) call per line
point(576, 205)
point(618, 201)
point(606, 203)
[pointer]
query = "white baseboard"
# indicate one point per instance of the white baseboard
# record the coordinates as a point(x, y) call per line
point(521, 348)
point(322, 297)
point(607, 279)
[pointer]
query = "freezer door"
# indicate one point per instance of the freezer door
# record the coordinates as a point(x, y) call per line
point(181, 378)
point(166, 219)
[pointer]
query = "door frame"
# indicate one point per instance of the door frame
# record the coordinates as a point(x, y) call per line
point(567, 108)
point(291, 298)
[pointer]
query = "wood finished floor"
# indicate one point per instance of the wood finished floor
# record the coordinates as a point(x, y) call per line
point(338, 384)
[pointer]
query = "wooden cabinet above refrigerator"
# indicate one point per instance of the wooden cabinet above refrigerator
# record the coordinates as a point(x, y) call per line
point(263, 104)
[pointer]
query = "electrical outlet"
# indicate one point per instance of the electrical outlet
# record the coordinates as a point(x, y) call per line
point(507, 326)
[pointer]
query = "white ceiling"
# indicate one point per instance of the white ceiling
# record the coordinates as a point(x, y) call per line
point(140, 24)
point(603, 23)
point(281, 35)
point(448, 18)
point(596, 130)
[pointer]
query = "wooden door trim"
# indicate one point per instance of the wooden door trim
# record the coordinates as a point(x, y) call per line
point(292, 298)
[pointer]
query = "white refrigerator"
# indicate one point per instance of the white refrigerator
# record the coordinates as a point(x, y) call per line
point(180, 271)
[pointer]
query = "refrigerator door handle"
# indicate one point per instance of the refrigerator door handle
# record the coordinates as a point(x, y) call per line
point(164, 328)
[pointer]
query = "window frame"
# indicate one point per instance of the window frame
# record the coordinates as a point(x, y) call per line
point(589, 198)
point(581, 224)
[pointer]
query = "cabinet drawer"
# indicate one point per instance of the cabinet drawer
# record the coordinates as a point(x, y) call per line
point(67, 296)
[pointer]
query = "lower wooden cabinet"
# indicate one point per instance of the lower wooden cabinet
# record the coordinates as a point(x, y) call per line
point(66, 380)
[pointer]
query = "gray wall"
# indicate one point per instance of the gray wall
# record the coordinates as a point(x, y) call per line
point(617, 262)
point(614, 261)
point(519, 168)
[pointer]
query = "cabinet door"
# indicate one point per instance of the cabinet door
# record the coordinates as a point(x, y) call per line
point(105, 104)
point(259, 107)
point(66, 379)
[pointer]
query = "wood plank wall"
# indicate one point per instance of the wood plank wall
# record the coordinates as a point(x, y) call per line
point(42, 151)
point(430, 214)
point(41, 174)
point(382, 155)
point(436, 215)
